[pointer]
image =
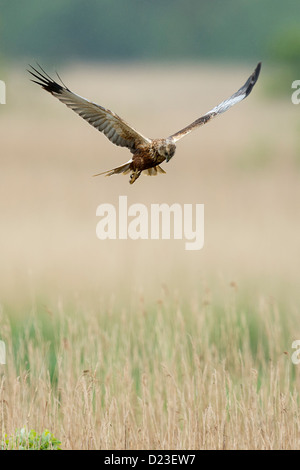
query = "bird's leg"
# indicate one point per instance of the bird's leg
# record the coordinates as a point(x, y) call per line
point(134, 176)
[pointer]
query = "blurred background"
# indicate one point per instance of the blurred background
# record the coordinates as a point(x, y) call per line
point(159, 65)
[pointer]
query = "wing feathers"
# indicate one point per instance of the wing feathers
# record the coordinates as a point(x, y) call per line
point(106, 121)
point(241, 94)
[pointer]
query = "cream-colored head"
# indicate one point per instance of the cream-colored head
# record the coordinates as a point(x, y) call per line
point(167, 149)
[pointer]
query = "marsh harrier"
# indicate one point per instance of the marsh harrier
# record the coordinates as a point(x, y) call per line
point(147, 154)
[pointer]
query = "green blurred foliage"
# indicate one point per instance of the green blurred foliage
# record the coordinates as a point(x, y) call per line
point(135, 29)
point(30, 440)
point(284, 49)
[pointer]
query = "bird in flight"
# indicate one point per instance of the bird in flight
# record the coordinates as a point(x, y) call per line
point(147, 154)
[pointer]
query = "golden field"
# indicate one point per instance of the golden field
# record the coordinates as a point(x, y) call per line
point(142, 344)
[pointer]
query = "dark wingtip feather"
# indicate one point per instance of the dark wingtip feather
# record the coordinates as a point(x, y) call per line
point(44, 80)
point(252, 79)
point(256, 72)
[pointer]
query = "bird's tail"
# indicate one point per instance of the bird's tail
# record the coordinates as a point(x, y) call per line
point(125, 169)
point(120, 169)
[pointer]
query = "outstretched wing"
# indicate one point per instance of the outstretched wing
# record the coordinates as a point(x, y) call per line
point(242, 93)
point(106, 121)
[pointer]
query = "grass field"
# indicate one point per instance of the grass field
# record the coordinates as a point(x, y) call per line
point(141, 344)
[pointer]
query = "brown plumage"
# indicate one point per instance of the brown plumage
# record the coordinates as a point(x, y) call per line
point(147, 154)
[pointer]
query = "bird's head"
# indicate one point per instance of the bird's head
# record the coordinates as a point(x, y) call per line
point(167, 149)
